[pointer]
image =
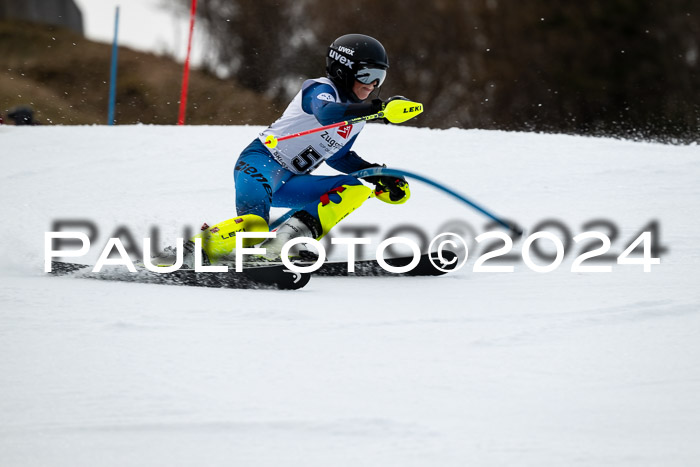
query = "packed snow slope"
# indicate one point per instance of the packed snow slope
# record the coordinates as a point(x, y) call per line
point(521, 368)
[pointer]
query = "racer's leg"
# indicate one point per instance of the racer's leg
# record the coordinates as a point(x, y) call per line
point(323, 201)
point(257, 177)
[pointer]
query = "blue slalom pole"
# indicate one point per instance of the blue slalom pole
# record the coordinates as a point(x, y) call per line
point(113, 73)
point(404, 173)
point(384, 171)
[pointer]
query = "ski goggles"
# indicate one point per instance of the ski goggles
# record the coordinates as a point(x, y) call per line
point(370, 75)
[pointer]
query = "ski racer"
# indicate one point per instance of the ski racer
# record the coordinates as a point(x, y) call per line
point(266, 177)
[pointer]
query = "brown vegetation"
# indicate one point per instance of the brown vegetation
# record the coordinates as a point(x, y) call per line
point(65, 79)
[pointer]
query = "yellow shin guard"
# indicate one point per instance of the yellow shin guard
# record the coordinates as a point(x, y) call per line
point(351, 198)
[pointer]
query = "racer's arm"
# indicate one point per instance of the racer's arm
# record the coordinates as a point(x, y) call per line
point(390, 189)
point(319, 100)
point(348, 161)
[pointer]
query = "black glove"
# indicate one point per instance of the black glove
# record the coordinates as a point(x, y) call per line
point(394, 185)
point(369, 108)
point(379, 105)
point(393, 98)
point(364, 108)
point(389, 183)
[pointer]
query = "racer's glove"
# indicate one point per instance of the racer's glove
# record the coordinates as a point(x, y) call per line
point(395, 187)
point(390, 189)
point(370, 108)
point(379, 105)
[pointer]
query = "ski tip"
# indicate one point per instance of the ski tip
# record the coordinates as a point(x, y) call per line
point(441, 263)
point(278, 277)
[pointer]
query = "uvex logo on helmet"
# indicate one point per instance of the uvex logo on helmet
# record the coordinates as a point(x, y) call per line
point(335, 55)
point(346, 50)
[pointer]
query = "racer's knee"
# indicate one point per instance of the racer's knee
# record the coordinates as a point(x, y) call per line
point(335, 205)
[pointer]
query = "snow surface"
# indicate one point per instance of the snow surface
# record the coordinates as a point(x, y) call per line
point(467, 369)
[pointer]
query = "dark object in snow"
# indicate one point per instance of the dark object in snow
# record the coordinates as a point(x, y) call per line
point(22, 116)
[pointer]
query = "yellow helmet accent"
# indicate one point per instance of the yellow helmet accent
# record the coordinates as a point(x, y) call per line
point(220, 240)
point(384, 195)
point(351, 198)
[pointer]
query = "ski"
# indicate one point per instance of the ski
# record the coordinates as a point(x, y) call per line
point(372, 267)
point(259, 277)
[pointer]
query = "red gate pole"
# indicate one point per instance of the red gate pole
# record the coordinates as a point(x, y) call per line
point(186, 72)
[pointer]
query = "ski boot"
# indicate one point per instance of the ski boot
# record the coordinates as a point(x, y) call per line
point(332, 207)
point(301, 224)
point(219, 241)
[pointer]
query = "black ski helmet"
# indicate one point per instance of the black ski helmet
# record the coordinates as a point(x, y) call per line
point(351, 53)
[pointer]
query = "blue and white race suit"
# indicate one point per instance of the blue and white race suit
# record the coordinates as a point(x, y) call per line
point(280, 176)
